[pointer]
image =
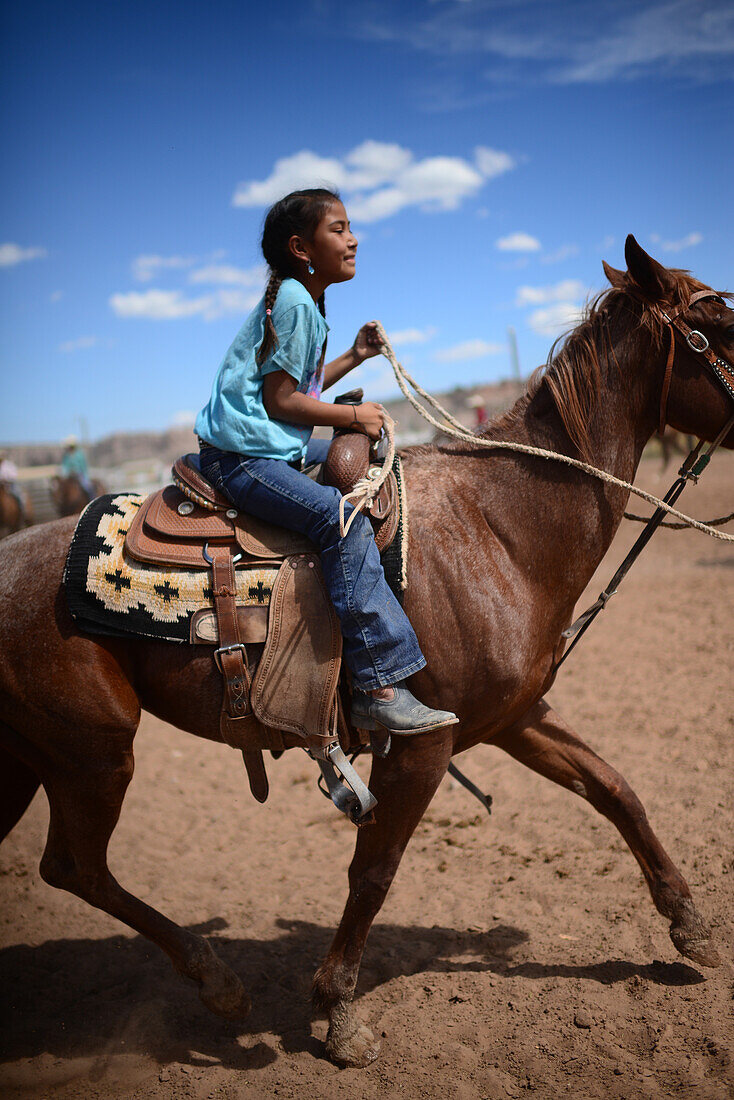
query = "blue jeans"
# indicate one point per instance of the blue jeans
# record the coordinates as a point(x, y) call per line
point(380, 646)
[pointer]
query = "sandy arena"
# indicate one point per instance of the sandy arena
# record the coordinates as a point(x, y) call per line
point(517, 953)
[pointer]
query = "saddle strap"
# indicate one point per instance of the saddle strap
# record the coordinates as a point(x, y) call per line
point(256, 774)
point(230, 656)
point(236, 713)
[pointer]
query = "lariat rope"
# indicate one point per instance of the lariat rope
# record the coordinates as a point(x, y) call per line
point(368, 486)
point(453, 427)
point(680, 526)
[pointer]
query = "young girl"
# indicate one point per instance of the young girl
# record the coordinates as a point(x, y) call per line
point(255, 434)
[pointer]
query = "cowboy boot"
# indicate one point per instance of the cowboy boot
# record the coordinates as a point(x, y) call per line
point(403, 714)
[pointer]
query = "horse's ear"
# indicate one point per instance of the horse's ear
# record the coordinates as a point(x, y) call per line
point(651, 277)
point(616, 278)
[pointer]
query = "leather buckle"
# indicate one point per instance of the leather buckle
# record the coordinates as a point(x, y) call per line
point(208, 557)
point(697, 341)
point(228, 649)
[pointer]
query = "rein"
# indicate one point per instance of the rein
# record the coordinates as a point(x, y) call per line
point(691, 469)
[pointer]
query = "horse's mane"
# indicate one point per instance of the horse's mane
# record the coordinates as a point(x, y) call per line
point(574, 370)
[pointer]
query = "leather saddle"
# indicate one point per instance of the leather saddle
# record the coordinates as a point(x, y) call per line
point(280, 664)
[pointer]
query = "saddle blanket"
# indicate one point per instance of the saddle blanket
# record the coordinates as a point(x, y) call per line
point(110, 593)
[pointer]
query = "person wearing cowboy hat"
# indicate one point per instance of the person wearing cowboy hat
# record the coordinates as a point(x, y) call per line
point(74, 465)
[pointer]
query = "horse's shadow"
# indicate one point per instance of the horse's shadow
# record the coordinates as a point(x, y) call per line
point(99, 998)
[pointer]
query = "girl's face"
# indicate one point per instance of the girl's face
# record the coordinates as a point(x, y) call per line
point(333, 247)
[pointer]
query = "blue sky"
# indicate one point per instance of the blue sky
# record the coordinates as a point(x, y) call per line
point(490, 154)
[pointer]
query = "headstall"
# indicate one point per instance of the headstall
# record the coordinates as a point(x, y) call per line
point(691, 469)
point(723, 371)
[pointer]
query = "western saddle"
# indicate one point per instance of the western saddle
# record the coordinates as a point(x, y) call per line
point(280, 664)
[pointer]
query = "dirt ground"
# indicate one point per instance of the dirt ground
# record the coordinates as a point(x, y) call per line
point(515, 953)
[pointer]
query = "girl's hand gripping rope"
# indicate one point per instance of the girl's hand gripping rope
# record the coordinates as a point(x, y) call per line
point(366, 489)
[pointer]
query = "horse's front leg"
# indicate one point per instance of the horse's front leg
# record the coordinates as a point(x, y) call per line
point(403, 783)
point(544, 742)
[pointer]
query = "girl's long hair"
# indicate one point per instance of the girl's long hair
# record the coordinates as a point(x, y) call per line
point(298, 214)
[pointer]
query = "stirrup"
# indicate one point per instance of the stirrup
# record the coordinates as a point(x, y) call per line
point(345, 788)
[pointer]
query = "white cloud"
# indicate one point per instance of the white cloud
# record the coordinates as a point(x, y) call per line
point(469, 349)
point(12, 254)
point(374, 163)
point(663, 36)
point(518, 242)
point(56, 296)
point(183, 419)
point(171, 305)
point(304, 169)
point(563, 253)
point(156, 305)
point(677, 246)
point(555, 319)
point(492, 162)
point(379, 179)
point(594, 44)
point(411, 336)
point(228, 275)
point(146, 268)
point(225, 302)
point(437, 183)
point(565, 291)
point(79, 343)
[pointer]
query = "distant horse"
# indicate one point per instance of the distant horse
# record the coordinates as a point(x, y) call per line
point(501, 547)
point(69, 496)
point(12, 516)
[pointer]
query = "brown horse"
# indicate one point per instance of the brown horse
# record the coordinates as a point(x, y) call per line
point(501, 547)
point(12, 516)
point(69, 496)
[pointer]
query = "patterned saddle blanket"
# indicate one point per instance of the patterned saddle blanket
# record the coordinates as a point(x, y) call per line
point(110, 592)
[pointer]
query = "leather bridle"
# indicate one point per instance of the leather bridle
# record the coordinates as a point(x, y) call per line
point(691, 469)
point(723, 370)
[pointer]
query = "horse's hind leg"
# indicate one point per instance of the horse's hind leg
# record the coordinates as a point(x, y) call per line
point(84, 811)
point(544, 742)
point(403, 783)
point(18, 784)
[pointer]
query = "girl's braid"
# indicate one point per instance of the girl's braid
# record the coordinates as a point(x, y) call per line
point(270, 337)
point(298, 214)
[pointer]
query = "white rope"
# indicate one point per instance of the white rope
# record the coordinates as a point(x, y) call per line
point(459, 431)
point(367, 487)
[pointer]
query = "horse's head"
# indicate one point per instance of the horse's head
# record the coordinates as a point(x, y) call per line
point(694, 327)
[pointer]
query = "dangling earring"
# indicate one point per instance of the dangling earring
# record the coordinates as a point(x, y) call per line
point(310, 268)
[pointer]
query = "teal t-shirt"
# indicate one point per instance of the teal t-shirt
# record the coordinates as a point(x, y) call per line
point(74, 463)
point(235, 418)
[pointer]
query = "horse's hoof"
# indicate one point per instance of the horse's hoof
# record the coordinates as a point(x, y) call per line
point(692, 936)
point(224, 994)
point(356, 1050)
